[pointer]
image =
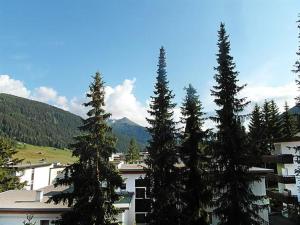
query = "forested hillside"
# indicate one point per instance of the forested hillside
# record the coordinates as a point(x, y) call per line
point(36, 123)
point(40, 124)
point(125, 129)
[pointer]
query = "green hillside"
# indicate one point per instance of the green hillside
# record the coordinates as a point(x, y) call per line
point(37, 154)
point(40, 124)
point(36, 123)
point(125, 129)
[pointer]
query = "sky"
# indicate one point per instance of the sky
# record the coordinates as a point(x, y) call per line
point(49, 50)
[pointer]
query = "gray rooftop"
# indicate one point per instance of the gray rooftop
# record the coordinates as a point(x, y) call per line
point(15, 200)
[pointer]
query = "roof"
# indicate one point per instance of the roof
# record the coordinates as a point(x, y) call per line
point(24, 200)
point(288, 139)
point(132, 168)
point(259, 170)
point(26, 166)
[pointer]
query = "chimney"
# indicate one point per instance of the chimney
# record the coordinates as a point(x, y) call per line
point(39, 196)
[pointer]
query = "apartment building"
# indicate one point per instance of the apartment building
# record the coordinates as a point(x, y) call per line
point(288, 182)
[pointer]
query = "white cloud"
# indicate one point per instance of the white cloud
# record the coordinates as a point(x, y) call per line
point(13, 87)
point(121, 102)
point(280, 94)
point(49, 95)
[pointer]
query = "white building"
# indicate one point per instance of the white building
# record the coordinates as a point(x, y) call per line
point(15, 205)
point(39, 175)
point(135, 201)
point(284, 156)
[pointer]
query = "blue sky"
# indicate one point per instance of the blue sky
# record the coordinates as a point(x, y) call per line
point(60, 44)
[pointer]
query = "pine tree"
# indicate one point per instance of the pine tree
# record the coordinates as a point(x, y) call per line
point(162, 173)
point(275, 122)
point(93, 179)
point(133, 153)
point(256, 123)
point(197, 193)
point(288, 123)
point(8, 178)
point(235, 201)
point(256, 133)
point(297, 64)
point(267, 134)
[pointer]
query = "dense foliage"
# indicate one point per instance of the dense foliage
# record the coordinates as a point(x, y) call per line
point(36, 123)
point(196, 196)
point(162, 172)
point(125, 130)
point(8, 178)
point(288, 126)
point(133, 153)
point(93, 179)
point(235, 202)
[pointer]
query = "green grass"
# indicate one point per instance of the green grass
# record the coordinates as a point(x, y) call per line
point(36, 154)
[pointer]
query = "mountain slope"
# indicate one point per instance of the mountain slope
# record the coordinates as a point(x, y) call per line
point(125, 129)
point(38, 123)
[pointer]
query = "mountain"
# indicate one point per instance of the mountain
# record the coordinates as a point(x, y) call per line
point(125, 129)
point(41, 124)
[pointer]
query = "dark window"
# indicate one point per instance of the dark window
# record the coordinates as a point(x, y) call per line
point(140, 218)
point(32, 175)
point(140, 183)
point(45, 222)
point(140, 192)
point(123, 186)
point(142, 205)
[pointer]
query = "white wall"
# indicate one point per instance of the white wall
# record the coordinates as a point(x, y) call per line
point(41, 177)
point(25, 176)
point(129, 179)
point(17, 219)
point(55, 173)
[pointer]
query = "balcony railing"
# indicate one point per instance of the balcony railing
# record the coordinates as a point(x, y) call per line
point(285, 197)
point(283, 158)
point(281, 178)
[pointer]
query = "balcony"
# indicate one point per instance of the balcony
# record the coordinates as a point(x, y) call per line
point(283, 158)
point(285, 197)
point(281, 179)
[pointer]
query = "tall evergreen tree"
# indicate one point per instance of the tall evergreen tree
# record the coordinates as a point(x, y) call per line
point(288, 123)
point(8, 178)
point(133, 153)
point(162, 172)
point(197, 193)
point(275, 122)
point(267, 134)
point(93, 179)
point(256, 133)
point(296, 69)
point(235, 202)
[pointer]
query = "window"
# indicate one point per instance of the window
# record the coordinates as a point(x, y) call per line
point(140, 218)
point(123, 186)
point(141, 182)
point(44, 222)
point(140, 192)
point(32, 175)
point(142, 205)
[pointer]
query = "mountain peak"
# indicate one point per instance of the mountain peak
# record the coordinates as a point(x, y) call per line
point(125, 120)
